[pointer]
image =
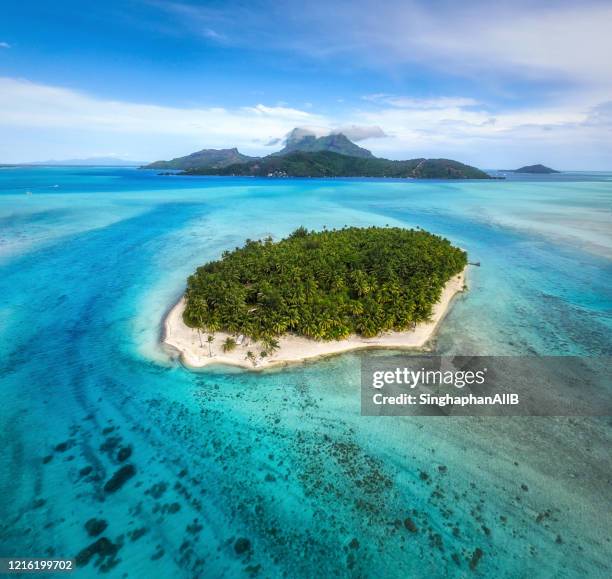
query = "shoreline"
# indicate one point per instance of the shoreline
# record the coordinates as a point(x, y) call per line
point(295, 349)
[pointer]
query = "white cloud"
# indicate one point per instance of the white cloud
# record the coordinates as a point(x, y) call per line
point(421, 103)
point(493, 42)
point(522, 39)
point(40, 122)
point(568, 136)
point(360, 132)
point(300, 132)
point(352, 131)
point(213, 35)
point(273, 142)
point(25, 104)
point(4, 45)
point(278, 112)
point(601, 115)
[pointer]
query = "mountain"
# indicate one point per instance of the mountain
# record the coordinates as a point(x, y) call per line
point(335, 143)
point(204, 159)
point(535, 169)
point(306, 155)
point(88, 162)
point(331, 164)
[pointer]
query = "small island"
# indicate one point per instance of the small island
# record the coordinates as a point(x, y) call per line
point(535, 170)
point(314, 294)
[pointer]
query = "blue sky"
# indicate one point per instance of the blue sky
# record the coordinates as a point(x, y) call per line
point(492, 84)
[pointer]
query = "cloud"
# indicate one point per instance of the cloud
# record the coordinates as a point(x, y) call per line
point(360, 133)
point(353, 132)
point(575, 135)
point(28, 106)
point(203, 21)
point(453, 123)
point(492, 42)
point(39, 121)
point(24, 103)
point(558, 40)
point(272, 142)
point(278, 112)
point(600, 115)
point(5, 45)
point(441, 102)
point(300, 132)
point(214, 35)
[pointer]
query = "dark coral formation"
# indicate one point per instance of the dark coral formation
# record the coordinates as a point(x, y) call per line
point(120, 478)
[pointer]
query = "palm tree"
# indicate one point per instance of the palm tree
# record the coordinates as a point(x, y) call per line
point(213, 326)
point(270, 344)
point(197, 306)
point(210, 339)
point(229, 345)
point(250, 356)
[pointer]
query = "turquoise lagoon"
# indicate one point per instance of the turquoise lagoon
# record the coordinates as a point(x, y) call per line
point(91, 259)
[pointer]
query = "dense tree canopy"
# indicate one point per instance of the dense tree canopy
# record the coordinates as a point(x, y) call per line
point(324, 285)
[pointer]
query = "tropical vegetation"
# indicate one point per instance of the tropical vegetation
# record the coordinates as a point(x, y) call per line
point(323, 285)
point(206, 158)
point(331, 164)
point(305, 155)
point(535, 169)
point(229, 345)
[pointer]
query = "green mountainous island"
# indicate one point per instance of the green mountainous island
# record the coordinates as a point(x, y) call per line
point(305, 155)
point(534, 170)
point(206, 158)
point(323, 285)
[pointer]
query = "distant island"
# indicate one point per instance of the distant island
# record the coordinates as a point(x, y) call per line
point(316, 293)
point(535, 170)
point(305, 155)
point(329, 164)
point(206, 158)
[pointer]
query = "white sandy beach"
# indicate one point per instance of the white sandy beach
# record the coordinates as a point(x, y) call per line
point(195, 353)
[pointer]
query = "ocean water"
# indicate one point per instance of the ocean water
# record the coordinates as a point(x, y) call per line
point(276, 474)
